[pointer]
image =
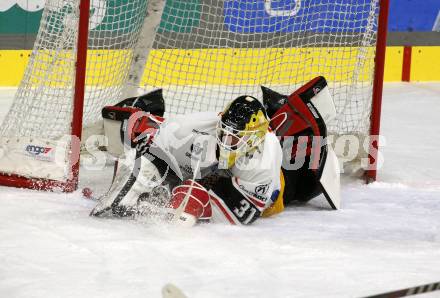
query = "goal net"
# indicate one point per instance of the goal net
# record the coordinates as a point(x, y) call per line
point(203, 53)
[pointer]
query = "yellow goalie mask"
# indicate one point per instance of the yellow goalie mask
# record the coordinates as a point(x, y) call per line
point(241, 129)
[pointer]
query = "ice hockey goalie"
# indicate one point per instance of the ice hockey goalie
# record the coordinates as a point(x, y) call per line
point(235, 166)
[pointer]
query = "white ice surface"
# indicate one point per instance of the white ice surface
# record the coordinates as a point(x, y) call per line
point(387, 235)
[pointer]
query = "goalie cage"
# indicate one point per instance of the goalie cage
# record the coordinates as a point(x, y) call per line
point(203, 53)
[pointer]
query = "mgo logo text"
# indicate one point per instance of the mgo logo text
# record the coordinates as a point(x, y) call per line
point(40, 152)
point(37, 150)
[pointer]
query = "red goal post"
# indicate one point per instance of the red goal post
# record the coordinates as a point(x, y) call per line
point(379, 70)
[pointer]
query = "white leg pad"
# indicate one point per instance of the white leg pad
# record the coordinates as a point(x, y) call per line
point(330, 179)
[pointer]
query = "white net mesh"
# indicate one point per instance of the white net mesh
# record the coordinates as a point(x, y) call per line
point(205, 53)
point(229, 48)
point(43, 103)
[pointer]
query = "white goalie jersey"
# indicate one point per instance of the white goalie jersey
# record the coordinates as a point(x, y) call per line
point(185, 147)
point(189, 142)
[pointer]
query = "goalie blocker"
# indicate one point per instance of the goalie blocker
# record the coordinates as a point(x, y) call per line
point(116, 120)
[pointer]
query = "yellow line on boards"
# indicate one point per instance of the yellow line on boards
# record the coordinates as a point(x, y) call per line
point(222, 66)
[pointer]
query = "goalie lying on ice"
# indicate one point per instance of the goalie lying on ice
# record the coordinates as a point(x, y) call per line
point(220, 167)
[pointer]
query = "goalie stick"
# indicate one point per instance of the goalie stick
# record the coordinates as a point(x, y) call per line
point(171, 291)
point(182, 206)
point(409, 291)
